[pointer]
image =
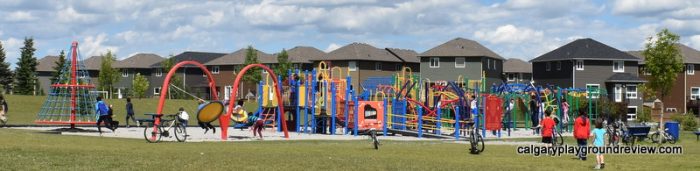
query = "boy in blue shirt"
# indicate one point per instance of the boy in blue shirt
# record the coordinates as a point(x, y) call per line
point(598, 135)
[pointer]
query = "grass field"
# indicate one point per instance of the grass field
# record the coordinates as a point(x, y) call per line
point(24, 109)
point(31, 150)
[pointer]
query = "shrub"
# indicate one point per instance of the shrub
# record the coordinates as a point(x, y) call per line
point(645, 115)
point(689, 123)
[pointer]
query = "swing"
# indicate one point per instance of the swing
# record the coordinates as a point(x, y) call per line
point(210, 112)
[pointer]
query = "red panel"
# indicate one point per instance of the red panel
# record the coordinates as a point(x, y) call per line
point(494, 110)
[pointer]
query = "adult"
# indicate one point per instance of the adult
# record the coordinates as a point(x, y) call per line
point(130, 113)
point(534, 114)
point(582, 129)
point(205, 125)
point(102, 114)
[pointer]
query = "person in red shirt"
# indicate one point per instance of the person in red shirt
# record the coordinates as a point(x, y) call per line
point(582, 129)
point(547, 127)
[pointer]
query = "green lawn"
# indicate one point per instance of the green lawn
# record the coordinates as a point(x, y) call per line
point(24, 109)
point(30, 150)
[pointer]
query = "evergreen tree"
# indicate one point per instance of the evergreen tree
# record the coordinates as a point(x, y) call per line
point(58, 67)
point(283, 64)
point(26, 69)
point(5, 72)
point(253, 75)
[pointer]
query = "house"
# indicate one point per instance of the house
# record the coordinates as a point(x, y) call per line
point(141, 64)
point(45, 71)
point(587, 63)
point(302, 57)
point(517, 71)
point(461, 57)
point(192, 77)
point(687, 83)
point(363, 61)
point(225, 68)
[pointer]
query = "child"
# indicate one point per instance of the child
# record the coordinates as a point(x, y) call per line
point(547, 127)
point(598, 135)
point(183, 118)
point(581, 132)
point(3, 110)
point(205, 125)
point(565, 115)
point(258, 123)
point(102, 114)
point(534, 114)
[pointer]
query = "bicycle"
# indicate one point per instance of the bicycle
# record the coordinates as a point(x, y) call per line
point(662, 136)
point(476, 141)
point(557, 138)
point(155, 132)
point(373, 136)
point(613, 134)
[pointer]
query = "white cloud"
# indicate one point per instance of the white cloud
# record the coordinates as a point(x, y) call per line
point(95, 45)
point(695, 41)
point(643, 7)
point(332, 47)
point(182, 31)
point(509, 34)
point(213, 19)
point(20, 16)
point(70, 15)
point(11, 46)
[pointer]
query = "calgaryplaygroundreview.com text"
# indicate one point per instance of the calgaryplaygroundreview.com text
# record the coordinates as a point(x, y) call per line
point(537, 151)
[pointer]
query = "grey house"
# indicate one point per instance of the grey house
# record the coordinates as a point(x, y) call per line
point(461, 57)
point(45, 71)
point(517, 71)
point(192, 77)
point(302, 57)
point(141, 64)
point(587, 63)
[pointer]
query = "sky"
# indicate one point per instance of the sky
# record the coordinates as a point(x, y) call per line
point(521, 29)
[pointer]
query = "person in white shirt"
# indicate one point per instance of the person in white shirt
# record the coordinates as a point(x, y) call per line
point(183, 117)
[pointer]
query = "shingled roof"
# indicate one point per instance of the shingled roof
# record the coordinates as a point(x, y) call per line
point(238, 58)
point(585, 49)
point(93, 63)
point(460, 47)
point(689, 55)
point(141, 60)
point(47, 63)
point(406, 55)
point(304, 54)
point(201, 57)
point(361, 51)
point(515, 65)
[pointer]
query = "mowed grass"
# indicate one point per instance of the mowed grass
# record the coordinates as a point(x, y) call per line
point(24, 109)
point(31, 150)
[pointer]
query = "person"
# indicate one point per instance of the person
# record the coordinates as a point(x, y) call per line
point(205, 125)
point(534, 112)
point(547, 127)
point(598, 136)
point(474, 108)
point(581, 133)
point(113, 125)
point(565, 115)
point(507, 115)
point(183, 118)
point(130, 113)
point(102, 114)
point(3, 110)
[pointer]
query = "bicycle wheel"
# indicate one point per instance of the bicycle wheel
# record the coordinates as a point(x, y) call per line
point(151, 135)
point(559, 139)
point(374, 140)
point(180, 133)
point(480, 143)
point(670, 139)
point(655, 138)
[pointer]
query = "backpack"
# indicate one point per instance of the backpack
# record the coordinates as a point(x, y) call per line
point(102, 108)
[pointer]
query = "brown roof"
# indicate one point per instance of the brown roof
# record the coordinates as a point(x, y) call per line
point(690, 55)
point(93, 63)
point(304, 54)
point(407, 55)
point(361, 51)
point(238, 58)
point(514, 65)
point(47, 63)
point(461, 47)
point(141, 60)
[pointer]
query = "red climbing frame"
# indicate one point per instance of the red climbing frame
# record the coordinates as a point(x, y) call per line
point(224, 122)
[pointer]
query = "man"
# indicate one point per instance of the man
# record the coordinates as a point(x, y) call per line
point(130, 113)
point(102, 112)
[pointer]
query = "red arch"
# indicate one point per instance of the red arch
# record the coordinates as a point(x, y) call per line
point(166, 83)
point(224, 118)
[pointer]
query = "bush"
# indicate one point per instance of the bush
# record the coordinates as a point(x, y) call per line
point(645, 115)
point(687, 122)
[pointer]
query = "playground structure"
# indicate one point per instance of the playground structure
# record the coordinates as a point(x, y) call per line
point(71, 100)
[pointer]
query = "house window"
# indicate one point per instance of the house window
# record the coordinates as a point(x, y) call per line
point(459, 62)
point(617, 90)
point(125, 73)
point(215, 70)
point(579, 65)
point(494, 64)
point(618, 66)
point(631, 112)
point(694, 93)
point(397, 67)
point(593, 90)
point(378, 66)
point(511, 76)
point(558, 65)
point(352, 66)
point(159, 72)
point(631, 92)
point(295, 66)
point(434, 62)
point(156, 90)
point(488, 63)
point(690, 69)
point(549, 66)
